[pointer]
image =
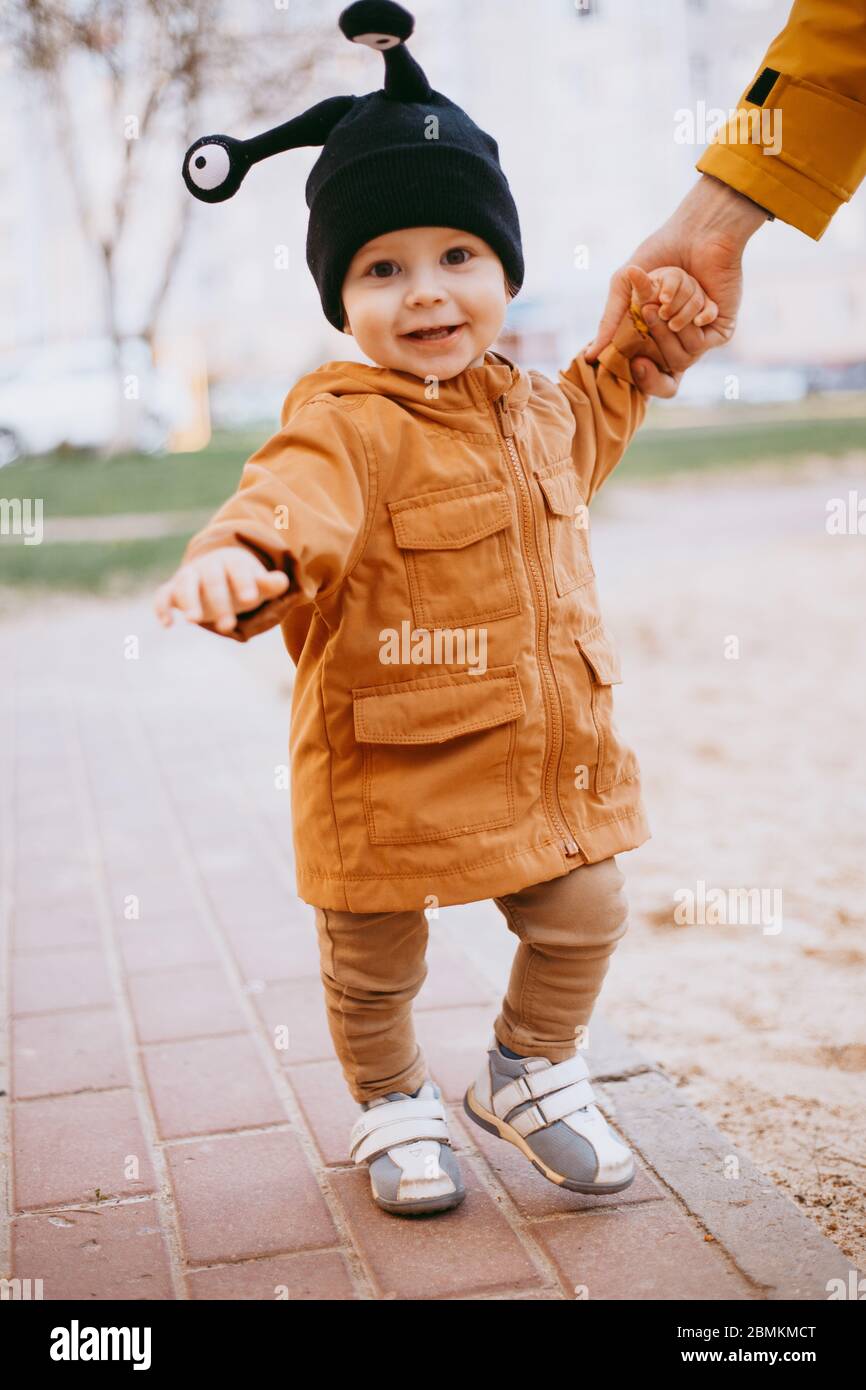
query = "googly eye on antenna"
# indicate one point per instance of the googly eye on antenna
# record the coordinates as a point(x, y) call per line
point(215, 166)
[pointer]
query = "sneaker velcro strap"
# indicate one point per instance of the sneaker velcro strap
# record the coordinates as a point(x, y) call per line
point(412, 1110)
point(404, 1132)
point(554, 1107)
point(534, 1084)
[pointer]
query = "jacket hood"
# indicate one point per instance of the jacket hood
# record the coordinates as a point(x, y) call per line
point(459, 402)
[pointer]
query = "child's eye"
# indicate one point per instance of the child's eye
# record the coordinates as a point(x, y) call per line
point(374, 269)
point(460, 250)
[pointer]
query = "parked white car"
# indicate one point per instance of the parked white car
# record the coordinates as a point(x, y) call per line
point(72, 394)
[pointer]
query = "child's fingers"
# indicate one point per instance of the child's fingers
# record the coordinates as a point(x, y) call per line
point(273, 582)
point(243, 572)
point(679, 350)
point(677, 290)
point(670, 282)
point(250, 582)
point(186, 597)
point(687, 312)
point(708, 314)
point(162, 603)
point(218, 605)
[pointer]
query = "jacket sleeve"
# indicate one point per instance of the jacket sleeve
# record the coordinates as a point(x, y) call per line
point(300, 506)
point(607, 404)
point(797, 143)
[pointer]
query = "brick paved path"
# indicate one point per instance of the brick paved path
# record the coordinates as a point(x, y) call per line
point(174, 1119)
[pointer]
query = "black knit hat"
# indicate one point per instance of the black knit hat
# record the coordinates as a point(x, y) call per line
point(404, 156)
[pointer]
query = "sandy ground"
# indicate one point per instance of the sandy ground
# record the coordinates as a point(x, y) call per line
point(754, 774)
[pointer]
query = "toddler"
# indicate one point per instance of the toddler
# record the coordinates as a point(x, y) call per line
point(418, 528)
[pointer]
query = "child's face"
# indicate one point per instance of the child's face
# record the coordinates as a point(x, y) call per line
point(424, 277)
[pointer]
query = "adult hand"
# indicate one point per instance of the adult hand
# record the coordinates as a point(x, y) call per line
point(706, 235)
point(680, 340)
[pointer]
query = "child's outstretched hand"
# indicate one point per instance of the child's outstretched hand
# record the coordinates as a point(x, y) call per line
point(671, 306)
point(215, 587)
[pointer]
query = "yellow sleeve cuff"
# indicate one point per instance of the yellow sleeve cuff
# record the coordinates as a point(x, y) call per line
point(800, 155)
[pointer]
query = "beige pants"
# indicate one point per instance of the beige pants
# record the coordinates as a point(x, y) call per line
point(373, 965)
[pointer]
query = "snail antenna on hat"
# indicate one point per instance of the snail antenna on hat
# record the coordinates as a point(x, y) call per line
point(385, 25)
point(214, 166)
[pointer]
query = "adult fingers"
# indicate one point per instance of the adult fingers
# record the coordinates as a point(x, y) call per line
point(644, 286)
point(651, 380)
point(680, 350)
point(618, 300)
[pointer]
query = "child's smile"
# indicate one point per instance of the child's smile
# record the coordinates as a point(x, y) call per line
point(426, 300)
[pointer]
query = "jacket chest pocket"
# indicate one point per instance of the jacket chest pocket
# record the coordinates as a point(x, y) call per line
point(615, 762)
point(567, 530)
point(438, 755)
point(455, 545)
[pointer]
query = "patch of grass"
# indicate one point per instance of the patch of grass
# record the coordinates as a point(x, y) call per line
point(84, 485)
point(81, 484)
point(662, 451)
point(99, 567)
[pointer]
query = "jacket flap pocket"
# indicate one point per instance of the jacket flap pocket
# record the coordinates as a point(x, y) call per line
point(598, 648)
point(561, 492)
point(450, 519)
point(437, 708)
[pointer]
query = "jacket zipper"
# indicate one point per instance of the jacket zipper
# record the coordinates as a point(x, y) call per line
point(568, 844)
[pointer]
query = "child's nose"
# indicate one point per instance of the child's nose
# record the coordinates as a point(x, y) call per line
point(424, 289)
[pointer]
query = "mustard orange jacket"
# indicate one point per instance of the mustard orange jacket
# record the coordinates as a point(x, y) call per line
point(408, 516)
point(812, 87)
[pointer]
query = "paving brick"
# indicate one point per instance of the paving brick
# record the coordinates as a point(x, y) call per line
point(67, 1147)
point(451, 979)
point(49, 844)
point(775, 1245)
point(468, 1250)
point(43, 981)
point(247, 1195)
point(38, 881)
point(184, 1002)
point(145, 946)
point(113, 1251)
point(164, 899)
point(248, 889)
point(279, 953)
point(638, 1253)
point(314, 1275)
point(608, 1052)
point(210, 1085)
point(66, 923)
point(75, 1051)
point(327, 1107)
point(535, 1195)
point(299, 1006)
point(454, 1042)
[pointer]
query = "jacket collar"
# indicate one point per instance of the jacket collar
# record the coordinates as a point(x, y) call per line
point(460, 403)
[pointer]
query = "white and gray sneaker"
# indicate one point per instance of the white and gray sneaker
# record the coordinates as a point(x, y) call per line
point(548, 1111)
point(405, 1141)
